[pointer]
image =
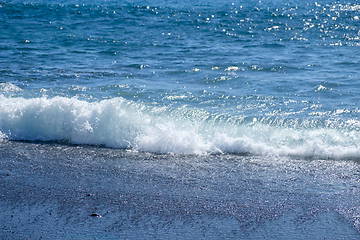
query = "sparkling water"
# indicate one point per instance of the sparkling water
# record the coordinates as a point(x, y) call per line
point(265, 85)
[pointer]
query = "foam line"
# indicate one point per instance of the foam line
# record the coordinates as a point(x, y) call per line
point(119, 123)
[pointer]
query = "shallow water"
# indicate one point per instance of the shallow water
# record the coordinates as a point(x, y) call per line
point(51, 190)
point(276, 77)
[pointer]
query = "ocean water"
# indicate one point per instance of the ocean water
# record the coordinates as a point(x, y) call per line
point(240, 116)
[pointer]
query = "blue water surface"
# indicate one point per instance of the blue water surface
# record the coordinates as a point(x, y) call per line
point(285, 64)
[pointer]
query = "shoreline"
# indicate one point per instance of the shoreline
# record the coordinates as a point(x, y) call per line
point(52, 191)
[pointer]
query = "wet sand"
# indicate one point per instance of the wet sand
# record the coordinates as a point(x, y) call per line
point(54, 191)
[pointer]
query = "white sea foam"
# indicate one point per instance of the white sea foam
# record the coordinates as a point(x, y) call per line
point(120, 123)
point(232, 68)
point(9, 87)
point(320, 88)
point(2, 136)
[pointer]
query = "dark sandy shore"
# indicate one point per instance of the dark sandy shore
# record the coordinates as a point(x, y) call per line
point(54, 191)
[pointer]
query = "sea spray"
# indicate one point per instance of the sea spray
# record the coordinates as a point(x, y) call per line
point(120, 123)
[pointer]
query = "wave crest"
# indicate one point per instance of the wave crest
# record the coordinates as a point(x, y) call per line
point(119, 123)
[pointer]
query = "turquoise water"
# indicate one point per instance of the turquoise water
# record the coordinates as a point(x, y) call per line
point(283, 76)
point(271, 82)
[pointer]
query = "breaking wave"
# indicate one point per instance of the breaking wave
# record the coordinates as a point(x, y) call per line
point(119, 123)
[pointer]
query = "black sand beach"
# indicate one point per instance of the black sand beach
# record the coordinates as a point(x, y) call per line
point(55, 191)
